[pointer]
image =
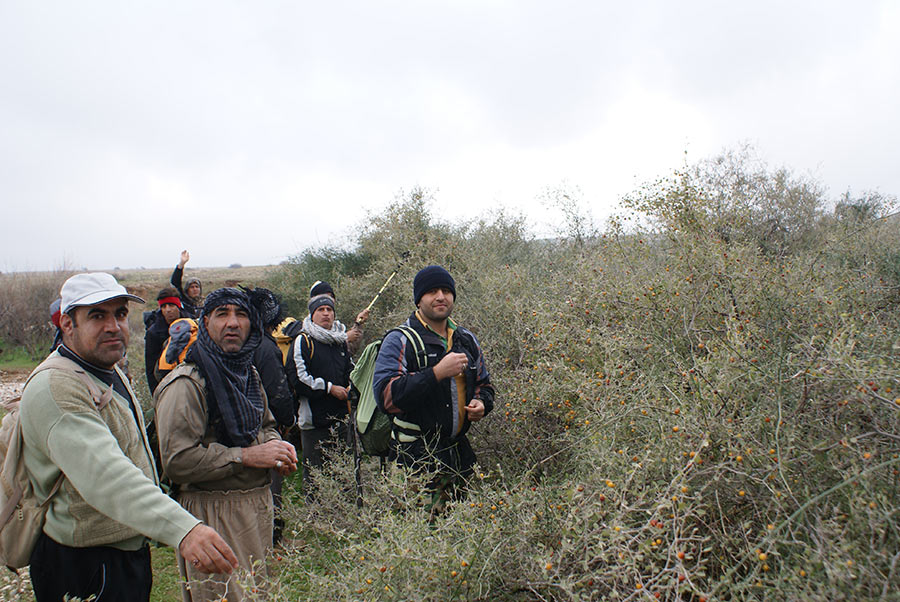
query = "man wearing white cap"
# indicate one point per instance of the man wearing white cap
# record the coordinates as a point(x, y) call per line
point(108, 502)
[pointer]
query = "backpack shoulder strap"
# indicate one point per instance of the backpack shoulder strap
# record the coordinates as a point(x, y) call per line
point(417, 343)
point(309, 343)
point(57, 362)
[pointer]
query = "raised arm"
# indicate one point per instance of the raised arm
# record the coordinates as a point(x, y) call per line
point(178, 273)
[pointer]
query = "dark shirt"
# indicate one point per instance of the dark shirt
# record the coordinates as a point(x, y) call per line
point(57, 340)
point(109, 377)
point(268, 361)
point(331, 363)
point(157, 331)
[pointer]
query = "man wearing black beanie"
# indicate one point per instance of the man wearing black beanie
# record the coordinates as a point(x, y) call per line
point(355, 332)
point(433, 405)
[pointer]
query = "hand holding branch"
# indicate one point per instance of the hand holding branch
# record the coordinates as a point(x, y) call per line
point(339, 392)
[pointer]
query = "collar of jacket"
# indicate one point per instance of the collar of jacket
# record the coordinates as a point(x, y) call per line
point(451, 328)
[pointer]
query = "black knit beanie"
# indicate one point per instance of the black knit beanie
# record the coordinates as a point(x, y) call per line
point(320, 288)
point(431, 277)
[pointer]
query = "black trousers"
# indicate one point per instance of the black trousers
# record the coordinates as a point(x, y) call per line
point(108, 574)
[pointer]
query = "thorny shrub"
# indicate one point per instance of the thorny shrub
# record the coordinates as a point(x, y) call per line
point(680, 416)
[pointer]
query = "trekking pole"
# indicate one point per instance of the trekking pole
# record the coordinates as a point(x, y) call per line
point(403, 258)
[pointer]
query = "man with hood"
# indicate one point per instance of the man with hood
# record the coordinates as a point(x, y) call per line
point(269, 363)
point(192, 293)
point(268, 359)
point(218, 439)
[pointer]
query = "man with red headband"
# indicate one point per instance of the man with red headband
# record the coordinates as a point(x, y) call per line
point(157, 326)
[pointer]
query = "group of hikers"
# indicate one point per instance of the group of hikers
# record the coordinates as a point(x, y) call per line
point(237, 388)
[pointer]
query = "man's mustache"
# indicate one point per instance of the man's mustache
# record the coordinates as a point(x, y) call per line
point(114, 337)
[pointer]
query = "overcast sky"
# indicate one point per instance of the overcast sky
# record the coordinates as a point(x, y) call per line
point(248, 131)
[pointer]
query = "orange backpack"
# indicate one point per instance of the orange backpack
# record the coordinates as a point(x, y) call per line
point(178, 330)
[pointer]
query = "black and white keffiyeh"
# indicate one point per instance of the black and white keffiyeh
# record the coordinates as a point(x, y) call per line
point(234, 396)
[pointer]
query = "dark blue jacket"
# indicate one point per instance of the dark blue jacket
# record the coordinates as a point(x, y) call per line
point(414, 395)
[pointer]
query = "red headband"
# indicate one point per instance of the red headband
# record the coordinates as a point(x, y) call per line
point(173, 300)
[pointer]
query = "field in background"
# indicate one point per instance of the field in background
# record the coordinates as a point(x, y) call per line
point(25, 297)
point(146, 283)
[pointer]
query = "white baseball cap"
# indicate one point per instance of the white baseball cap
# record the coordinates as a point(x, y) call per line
point(91, 289)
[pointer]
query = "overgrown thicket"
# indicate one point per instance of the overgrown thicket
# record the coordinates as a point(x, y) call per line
point(699, 402)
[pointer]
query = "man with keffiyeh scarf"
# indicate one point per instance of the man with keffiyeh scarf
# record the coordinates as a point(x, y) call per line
point(218, 439)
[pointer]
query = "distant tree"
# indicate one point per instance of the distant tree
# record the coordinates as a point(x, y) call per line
point(869, 206)
point(737, 196)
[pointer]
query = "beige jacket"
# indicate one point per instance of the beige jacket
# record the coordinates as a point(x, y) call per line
point(109, 495)
point(190, 452)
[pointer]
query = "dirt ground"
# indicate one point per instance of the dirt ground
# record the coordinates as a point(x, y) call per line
point(11, 384)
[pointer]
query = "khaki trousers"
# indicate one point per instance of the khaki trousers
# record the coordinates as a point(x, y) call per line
point(244, 520)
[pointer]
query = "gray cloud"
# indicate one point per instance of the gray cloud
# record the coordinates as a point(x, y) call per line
point(193, 124)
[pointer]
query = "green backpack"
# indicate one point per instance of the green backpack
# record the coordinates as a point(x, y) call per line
point(373, 425)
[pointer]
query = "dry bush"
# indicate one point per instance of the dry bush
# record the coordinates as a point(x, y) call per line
point(680, 416)
point(25, 299)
